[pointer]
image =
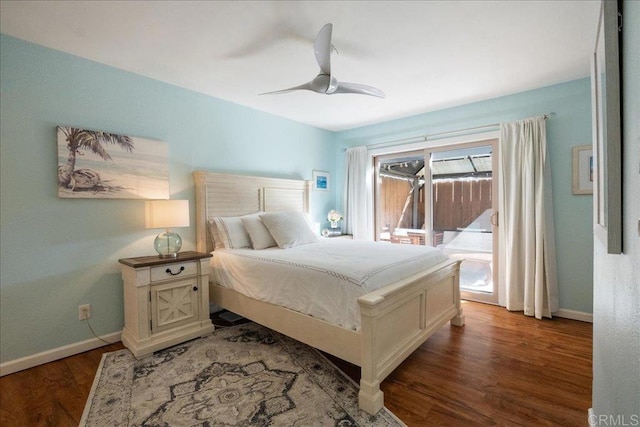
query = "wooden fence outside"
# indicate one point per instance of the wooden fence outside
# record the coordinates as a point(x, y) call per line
point(457, 203)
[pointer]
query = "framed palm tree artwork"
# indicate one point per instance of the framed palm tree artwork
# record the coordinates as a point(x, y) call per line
point(103, 165)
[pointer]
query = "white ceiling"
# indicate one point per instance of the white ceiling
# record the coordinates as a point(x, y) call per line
point(425, 55)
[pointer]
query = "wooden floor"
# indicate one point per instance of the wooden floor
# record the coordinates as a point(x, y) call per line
point(501, 369)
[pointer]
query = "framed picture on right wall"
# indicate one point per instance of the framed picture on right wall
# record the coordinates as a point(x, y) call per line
point(582, 182)
point(607, 134)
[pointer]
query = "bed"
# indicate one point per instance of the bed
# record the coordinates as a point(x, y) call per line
point(394, 319)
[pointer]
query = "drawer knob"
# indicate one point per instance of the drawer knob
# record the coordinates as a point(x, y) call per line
point(195, 288)
point(168, 270)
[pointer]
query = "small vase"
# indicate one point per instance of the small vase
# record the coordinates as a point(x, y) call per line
point(334, 224)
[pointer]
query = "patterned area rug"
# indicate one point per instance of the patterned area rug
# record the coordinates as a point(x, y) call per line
point(244, 375)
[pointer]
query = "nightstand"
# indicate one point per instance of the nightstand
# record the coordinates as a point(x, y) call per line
point(341, 236)
point(166, 301)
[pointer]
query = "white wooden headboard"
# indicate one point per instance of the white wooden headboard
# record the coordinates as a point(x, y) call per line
point(219, 194)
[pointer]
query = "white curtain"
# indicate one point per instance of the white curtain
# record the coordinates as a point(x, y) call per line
point(357, 202)
point(527, 215)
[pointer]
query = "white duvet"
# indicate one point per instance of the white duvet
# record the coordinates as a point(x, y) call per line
point(321, 279)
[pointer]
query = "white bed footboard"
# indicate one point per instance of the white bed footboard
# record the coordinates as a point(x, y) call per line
point(397, 319)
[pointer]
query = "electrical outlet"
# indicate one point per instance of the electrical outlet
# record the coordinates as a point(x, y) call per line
point(84, 311)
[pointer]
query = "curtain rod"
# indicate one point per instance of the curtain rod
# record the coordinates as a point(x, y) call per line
point(421, 138)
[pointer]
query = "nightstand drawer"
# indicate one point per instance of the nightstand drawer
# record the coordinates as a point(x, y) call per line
point(176, 270)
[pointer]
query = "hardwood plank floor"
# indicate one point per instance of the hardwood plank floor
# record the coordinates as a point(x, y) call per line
point(53, 394)
point(501, 369)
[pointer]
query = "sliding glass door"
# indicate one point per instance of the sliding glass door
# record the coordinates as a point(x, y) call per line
point(463, 209)
point(444, 197)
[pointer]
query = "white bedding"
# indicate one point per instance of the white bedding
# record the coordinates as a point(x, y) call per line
point(321, 279)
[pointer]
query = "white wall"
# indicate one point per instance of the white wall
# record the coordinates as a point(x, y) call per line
point(616, 326)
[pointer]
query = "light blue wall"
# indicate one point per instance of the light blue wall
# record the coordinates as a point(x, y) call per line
point(570, 126)
point(59, 253)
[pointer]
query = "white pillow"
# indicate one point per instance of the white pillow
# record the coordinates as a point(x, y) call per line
point(289, 228)
point(231, 232)
point(258, 233)
point(215, 236)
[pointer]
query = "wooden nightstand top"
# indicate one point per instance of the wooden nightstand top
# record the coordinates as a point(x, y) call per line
point(148, 261)
point(340, 236)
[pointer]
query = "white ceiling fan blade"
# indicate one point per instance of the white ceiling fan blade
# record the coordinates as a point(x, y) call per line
point(312, 86)
point(306, 86)
point(344, 87)
point(322, 48)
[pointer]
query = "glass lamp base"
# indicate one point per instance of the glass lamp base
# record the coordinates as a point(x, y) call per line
point(168, 244)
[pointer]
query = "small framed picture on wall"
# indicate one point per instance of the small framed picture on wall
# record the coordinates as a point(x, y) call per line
point(582, 169)
point(321, 181)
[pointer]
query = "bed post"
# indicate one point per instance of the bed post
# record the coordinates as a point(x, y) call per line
point(458, 319)
point(200, 180)
point(370, 397)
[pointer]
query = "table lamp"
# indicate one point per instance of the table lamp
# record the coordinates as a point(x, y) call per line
point(167, 214)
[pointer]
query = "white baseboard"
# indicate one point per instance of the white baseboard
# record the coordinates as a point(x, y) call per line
point(27, 362)
point(574, 315)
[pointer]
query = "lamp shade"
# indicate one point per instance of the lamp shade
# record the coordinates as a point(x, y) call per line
point(166, 213)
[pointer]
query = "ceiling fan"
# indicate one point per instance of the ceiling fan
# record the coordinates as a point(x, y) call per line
point(325, 82)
